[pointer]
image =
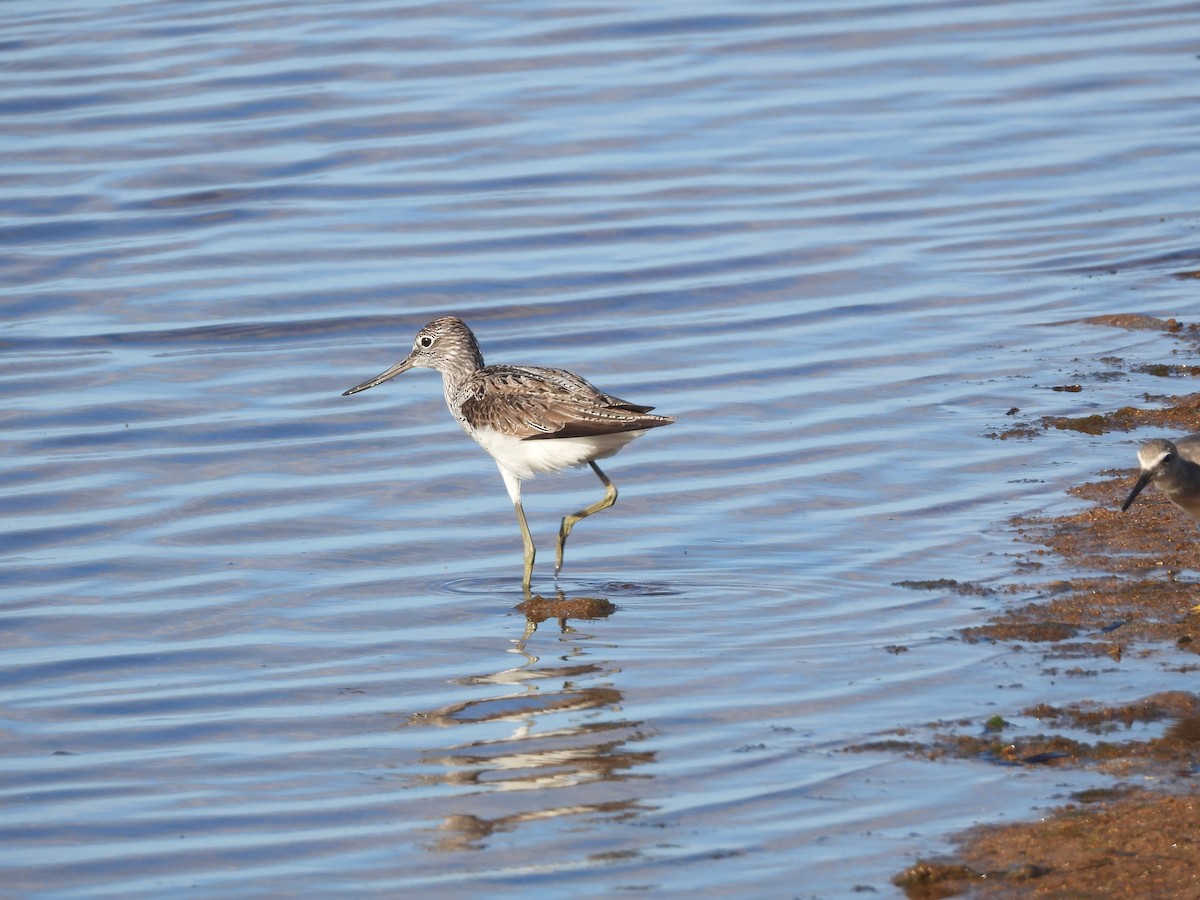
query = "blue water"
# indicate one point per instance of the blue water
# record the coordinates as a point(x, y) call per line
point(259, 638)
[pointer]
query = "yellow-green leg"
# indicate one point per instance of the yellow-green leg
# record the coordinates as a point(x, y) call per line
point(569, 522)
point(530, 551)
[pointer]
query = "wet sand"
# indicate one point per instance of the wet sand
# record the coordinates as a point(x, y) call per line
point(1109, 587)
point(1141, 845)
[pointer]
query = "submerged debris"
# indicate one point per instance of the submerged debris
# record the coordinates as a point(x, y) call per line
point(538, 609)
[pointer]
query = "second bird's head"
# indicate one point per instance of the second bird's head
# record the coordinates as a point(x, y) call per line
point(1157, 458)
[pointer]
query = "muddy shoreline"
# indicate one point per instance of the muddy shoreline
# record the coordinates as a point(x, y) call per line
point(1110, 586)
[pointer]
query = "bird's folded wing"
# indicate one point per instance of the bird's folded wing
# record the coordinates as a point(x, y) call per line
point(549, 403)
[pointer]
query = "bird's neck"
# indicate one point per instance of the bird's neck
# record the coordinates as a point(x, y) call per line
point(456, 369)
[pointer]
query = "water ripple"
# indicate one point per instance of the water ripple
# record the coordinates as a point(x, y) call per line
point(261, 637)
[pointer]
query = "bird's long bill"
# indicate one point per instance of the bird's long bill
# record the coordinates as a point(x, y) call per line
point(1137, 489)
point(402, 366)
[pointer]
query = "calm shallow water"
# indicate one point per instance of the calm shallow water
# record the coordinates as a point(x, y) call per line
point(259, 637)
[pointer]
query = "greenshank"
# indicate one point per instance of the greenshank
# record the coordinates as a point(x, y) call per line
point(530, 419)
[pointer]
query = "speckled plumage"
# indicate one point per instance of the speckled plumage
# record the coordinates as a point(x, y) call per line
point(531, 419)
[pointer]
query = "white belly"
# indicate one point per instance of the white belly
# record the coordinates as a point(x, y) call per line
point(524, 459)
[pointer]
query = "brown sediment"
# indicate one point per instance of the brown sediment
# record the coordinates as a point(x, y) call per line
point(1140, 845)
point(1174, 751)
point(1180, 414)
point(1177, 413)
point(1129, 592)
point(538, 609)
point(1167, 412)
point(1122, 597)
point(1138, 322)
point(1165, 370)
point(965, 588)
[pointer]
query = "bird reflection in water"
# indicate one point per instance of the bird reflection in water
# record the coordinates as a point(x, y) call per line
point(468, 832)
point(553, 739)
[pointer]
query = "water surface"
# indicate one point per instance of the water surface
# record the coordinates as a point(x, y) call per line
point(259, 637)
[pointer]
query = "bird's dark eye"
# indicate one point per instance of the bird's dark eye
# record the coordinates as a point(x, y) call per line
point(427, 341)
point(1167, 458)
